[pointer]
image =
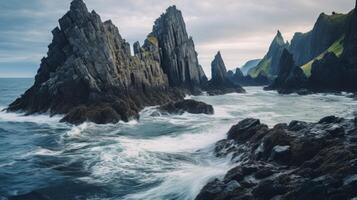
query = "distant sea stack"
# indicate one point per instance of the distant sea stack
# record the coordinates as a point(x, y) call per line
point(220, 82)
point(90, 75)
point(177, 51)
point(290, 78)
point(269, 65)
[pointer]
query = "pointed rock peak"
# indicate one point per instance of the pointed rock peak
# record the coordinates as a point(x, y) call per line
point(78, 6)
point(172, 9)
point(218, 55)
point(279, 38)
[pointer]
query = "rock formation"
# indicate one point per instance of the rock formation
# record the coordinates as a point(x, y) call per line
point(220, 82)
point(177, 51)
point(296, 161)
point(249, 65)
point(327, 30)
point(290, 78)
point(239, 78)
point(189, 105)
point(338, 73)
point(269, 65)
point(89, 73)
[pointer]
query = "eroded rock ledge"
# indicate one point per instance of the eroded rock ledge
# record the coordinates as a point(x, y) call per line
point(299, 160)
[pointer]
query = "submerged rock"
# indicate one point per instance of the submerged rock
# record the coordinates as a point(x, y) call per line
point(296, 161)
point(220, 82)
point(190, 106)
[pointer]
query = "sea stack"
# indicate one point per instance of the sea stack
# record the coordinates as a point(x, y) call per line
point(220, 82)
point(291, 78)
point(90, 75)
point(269, 65)
point(177, 51)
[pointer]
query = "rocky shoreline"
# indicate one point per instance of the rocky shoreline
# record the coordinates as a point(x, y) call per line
point(298, 160)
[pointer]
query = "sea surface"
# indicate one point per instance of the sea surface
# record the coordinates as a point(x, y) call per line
point(163, 157)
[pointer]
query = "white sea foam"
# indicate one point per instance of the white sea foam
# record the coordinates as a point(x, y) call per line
point(21, 117)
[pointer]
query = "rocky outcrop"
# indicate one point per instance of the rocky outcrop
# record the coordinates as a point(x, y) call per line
point(189, 105)
point(220, 82)
point(269, 65)
point(89, 73)
point(299, 160)
point(239, 79)
point(249, 65)
point(290, 78)
point(177, 51)
point(338, 73)
point(327, 30)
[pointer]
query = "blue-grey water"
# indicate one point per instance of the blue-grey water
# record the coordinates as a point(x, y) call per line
point(165, 157)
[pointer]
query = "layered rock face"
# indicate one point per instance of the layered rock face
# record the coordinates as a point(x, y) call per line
point(269, 65)
point(338, 73)
point(327, 30)
point(89, 73)
point(220, 82)
point(290, 77)
point(299, 160)
point(177, 51)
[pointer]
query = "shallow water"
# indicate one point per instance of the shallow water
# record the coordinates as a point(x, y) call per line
point(165, 157)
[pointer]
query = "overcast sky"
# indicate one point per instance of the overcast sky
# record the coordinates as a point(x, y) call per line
point(240, 29)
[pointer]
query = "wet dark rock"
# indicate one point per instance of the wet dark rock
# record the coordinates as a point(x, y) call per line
point(220, 82)
point(244, 130)
point(297, 161)
point(190, 106)
point(268, 189)
point(263, 173)
point(280, 154)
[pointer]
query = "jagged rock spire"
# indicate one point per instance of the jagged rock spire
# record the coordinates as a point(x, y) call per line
point(178, 55)
point(218, 68)
point(78, 6)
point(89, 73)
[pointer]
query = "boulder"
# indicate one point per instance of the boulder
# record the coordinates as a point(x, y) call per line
point(297, 161)
point(190, 106)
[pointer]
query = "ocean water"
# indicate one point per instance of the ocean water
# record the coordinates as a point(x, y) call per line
point(164, 157)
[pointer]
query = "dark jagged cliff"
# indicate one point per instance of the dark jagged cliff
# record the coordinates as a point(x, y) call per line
point(177, 51)
point(89, 73)
point(269, 65)
point(290, 77)
point(332, 47)
point(298, 160)
point(220, 82)
point(327, 30)
point(334, 72)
